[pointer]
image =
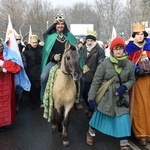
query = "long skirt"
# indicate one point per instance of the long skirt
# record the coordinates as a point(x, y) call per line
point(141, 107)
point(117, 126)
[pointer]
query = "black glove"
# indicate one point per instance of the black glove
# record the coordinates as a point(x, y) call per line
point(140, 72)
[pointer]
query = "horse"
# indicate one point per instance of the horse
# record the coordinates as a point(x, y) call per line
point(65, 90)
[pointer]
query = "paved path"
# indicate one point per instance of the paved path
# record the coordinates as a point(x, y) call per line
point(32, 132)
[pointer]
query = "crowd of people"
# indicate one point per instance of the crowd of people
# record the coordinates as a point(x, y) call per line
point(121, 69)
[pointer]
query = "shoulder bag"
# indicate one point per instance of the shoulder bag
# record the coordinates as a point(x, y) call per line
point(103, 88)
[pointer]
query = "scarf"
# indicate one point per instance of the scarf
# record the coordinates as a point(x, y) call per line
point(118, 62)
point(89, 48)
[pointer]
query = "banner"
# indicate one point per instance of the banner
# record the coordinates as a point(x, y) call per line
point(10, 38)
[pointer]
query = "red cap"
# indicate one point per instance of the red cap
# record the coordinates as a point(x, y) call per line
point(117, 41)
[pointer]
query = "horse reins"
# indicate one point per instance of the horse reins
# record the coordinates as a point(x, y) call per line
point(67, 70)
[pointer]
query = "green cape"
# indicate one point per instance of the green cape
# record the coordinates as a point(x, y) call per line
point(49, 42)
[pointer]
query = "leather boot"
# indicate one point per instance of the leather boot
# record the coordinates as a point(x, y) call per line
point(89, 139)
point(125, 148)
point(148, 139)
point(143, 141)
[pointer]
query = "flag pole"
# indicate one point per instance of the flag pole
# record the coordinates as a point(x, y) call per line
point(30, 33)
point(114, 34)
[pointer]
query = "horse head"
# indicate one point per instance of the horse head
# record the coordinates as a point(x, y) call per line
point(70, 64)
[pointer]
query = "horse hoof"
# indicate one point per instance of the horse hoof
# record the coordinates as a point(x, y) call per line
point(54, 127)
point(66, 143)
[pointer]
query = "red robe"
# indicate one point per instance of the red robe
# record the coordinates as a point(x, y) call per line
point(7, 92)
point(140, 100)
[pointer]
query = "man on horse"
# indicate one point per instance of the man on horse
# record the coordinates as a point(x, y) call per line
point(54, 44)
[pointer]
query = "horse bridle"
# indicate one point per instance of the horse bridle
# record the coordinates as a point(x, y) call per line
point(66, 69)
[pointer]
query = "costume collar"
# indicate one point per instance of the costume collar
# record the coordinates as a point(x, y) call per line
point(131, 47)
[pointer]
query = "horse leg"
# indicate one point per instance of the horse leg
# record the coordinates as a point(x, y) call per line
point(53, 120)
point(57, 120)
point(65, 125)
point(60, 119)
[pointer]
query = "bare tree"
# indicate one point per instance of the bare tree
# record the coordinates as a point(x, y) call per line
point(104, 14)
point(108, 12)
point(37, 15)
point(145, 5)
point(12, 8)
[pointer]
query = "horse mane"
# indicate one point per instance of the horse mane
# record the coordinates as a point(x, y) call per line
point(72, 47)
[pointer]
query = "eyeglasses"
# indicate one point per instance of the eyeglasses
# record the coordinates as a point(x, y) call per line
point(119, 49)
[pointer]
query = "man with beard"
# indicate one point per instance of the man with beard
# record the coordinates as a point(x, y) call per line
point(33, 57)
point(139, 52)
point(54, 44)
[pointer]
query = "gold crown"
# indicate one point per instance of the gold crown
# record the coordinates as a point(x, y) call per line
point(33, 37)
point(92, 32)
point(138, 27)
point(59, 18)
point(41, 43)
point(18, 37)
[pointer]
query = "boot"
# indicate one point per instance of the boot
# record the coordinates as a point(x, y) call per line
point(125, 148)
point(90, 114)
point(86, 111)
point(89, 139)
point(3, 128)
point(143, 141)
point(125, 145)
point(78, 106)
point(148, 139)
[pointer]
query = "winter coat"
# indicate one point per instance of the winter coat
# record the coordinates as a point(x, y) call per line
point(105, 71)
point(33, 57)
point(21, 47)
point(92, 61)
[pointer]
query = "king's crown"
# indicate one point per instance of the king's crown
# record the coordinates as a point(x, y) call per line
point(138, 27)
point(59, 18)
point(92, 32)
point(33, 37)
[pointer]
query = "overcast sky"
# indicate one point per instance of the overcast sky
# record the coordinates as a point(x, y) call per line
point(66, 3)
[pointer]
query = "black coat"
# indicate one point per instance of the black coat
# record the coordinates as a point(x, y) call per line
point(21, 47)
point(33, 57)
point(92, 61)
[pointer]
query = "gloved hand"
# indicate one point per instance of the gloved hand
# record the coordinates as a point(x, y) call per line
point(57, 57)
point(92, 104)
point(140, 72)
point(121, 90)
point(1, 63)
point(4, 70)
point(136, 68)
